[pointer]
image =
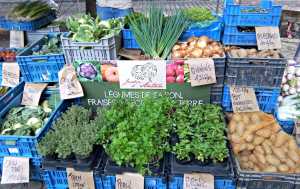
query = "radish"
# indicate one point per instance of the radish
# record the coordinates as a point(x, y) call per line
point(171, 79)
point(180, 79)
point(179, 70)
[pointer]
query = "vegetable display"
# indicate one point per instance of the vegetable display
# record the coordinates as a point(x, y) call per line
point(175, 72)
point(237, 52)
point(141, 131)
point(291, 80)
point(195, 47)
point(30, 10)
point(26, 120)
point(52, 46)
point(72, 134)
point(8, 55)
point(131, 16)
point(260, 145)
point(200, 133)
point(88, 29)
point(3, 90)
point(156, 35)
point(198, 14)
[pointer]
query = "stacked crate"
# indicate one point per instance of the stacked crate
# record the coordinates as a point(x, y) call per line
point(240, 21)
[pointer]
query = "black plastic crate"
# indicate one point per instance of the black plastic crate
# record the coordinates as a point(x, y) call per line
point(177, 167)
point(216, 94)
point(111, 168)
point(263, 180)
point(219, 70)
point(255, 72)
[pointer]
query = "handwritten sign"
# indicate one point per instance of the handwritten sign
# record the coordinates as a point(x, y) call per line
point(268, 38)
point(32, 93)
point(129, 181)
point(202, 71)
point(243, 99)
point(17, 39)
point(69, 85)
point(198, 181)
point(15, 170)
point(10, 74)
point(142, 74)
point(80, 180)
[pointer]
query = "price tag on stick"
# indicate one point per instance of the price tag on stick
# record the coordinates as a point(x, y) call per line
point(80, 180)
point(32, 93)
point(198, 181)
point(268, 38)
point(15, 170)
point(202, 71)
point(129, 181)
point(243, 99)
point(10, 74)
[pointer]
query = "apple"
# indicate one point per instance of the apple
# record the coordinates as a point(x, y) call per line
point(179, 70)
point(180, 79)
point(171, 79)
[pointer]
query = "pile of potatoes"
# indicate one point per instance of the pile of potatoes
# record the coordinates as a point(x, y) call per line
point(260, 145)
point(237, 52)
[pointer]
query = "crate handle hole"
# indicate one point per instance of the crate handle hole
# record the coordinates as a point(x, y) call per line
point(246, 29)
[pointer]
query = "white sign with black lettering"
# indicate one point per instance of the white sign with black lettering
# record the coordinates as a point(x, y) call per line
point(198, 181)
point(268, 38)
point(243, 99)
point(15, 170)
point(129, 181)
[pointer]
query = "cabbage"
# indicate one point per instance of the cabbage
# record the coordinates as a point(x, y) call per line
point(87, 71)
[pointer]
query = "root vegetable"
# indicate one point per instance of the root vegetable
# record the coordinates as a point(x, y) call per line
point(266, 132)
point(280, 139)
point(272, 160)
point(271, 169)
point(267, 148)
point(261, 158)
point(283, 168)
point(249, 138)
point(293, 156)
point(279, 153)
point(258, 140)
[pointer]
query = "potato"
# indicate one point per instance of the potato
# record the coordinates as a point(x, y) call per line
point(257, 169)
point(237, 117)
point(246, 153)
point(236, 139)
point(259, 149)
point(232, 127)
point(249, 138)
point(297, 170)
point(252, 158)
point(258, 140)
point(272, 160)
point(246, 120)
point(243, 159)
point(261, 158)
point(292, 145)
point(281, 138)
point(266, 132)
point(240, 128)
point(242, 53)
point(279, 152)
point(250, 147)
point(251, 165)
point(293, 156)
point(266, 148)
point(273, 139)
point(243, 147)
point(275, 128)
point(290, 163)
point(270, 169)
point(283, 168)
point(255, 118)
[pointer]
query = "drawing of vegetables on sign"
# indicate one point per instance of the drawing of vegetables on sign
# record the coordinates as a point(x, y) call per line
point(110, 72)
point(88, 70)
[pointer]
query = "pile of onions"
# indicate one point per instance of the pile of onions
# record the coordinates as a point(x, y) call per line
point(195, 47)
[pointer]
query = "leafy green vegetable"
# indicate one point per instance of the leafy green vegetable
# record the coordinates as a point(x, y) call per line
point(136, 135)
point(25, 120)
point(88, 29)
point(131, 16)
point(156, 34)
point(29, 10)
point(72, 133)
point(52, 46)
point(198, 14)
point(200, 130)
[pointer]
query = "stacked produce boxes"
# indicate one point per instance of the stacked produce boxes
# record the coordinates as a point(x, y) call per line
point(240, 21)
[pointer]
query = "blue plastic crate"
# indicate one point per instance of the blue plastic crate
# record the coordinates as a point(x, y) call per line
point(0, 73)
point(40, 68)
point(129, 41)
point(35, 168)
point(287, 125)
point(27, 26)
point(22, 146)
point(232, 36)
point(266, 98)
point(176, 182)
point(213, 31)
point(264, 14)
point(57, 179)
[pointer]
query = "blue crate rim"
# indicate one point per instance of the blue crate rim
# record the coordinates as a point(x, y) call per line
point(66, 36)
point(13, 137)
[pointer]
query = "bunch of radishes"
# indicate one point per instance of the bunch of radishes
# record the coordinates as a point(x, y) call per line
point(291, 80)
point(175, 71)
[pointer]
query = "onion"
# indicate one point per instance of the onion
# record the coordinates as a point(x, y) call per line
point(183, 46)
point(182, 53)
point(292, 91)
point(189, 49)
point(207, 52)
point(176, 54)
point(291, 70)
point(214, 43)
point(297, 72)
point(175, 48)
point(290, 76)
point(192, 43)
point(191, 39)
point(201, 44)
point(204, 38)
point(285, 87)
point(196, 53)
point(216, 56)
